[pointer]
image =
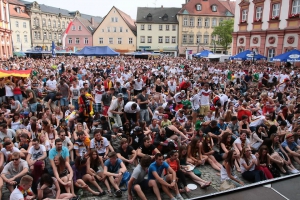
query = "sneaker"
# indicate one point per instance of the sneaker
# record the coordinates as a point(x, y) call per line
point(118, 193)
point(109, 193)
point(179, 197)
point(294, 171)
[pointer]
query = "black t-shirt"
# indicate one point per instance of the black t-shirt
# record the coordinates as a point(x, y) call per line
point(51, 96)
point(147, 151)
point(137, 140)
point(143, 98)
point(212, 130)
point(126, 153)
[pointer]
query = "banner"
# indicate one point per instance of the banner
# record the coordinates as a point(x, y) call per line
point(17, 73)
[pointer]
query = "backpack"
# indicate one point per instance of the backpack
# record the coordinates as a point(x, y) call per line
point(125, 179)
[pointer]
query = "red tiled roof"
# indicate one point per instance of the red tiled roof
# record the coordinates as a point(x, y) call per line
point(16, 2)
point(13, 12)
point(222, 7)
point(128, 20)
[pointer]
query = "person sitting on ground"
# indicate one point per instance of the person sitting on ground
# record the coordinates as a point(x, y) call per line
point(114, 169)
point(126, 153)
point(36, 153)
point(8, 149)
point(14, 171)
point(147, 149)
point(23, 191)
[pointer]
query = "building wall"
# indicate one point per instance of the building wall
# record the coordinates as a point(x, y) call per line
point(75, 33)
point(155, 33)
point(21, 36)
point(270, 37)
point(198, 30)
point(102, 32)
point(5, 31)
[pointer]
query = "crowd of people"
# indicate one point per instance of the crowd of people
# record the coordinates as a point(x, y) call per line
point(78, 122)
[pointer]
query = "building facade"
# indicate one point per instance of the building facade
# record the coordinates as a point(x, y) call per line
point(117, 30)
point(197, 19)
point(268, 27)
point(20, 26)
point(5, 31)
point(157, 30)
point(81, 32)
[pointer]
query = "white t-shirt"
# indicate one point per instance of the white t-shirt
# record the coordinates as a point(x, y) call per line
point(138, 85)
point(37, 153)
point(8, 91)
point(128, 109)
point(6, 153)
point(204, 97)
point(100, 146)
point(75, 92)
point(17, 194)
point(242, 161)
point(195, 101)
point(51, 84)
point(98, 95)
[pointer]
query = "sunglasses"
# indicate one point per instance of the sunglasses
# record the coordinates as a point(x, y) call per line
point(15, 159)
point(62, 135)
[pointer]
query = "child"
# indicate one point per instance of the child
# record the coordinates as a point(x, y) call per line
point(165, 122)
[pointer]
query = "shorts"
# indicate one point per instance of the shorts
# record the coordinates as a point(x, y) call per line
point(196, 110)
point(144, 186)
point(97, 107)
point(204, 109)
point(105, 110)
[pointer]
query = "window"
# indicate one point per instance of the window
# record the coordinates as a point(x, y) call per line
point(258, 13)
point(130, 40)
point(184, 39)
point(173, 39)
point(103, 30)
point(55, 36)
point(214, 22)
point(198, 7)
point(160, 39)
point(126, 30)
point(220, 21)
point(167, 27)
point(206, 22)
point(116, 19)
point(112, 19)
point(18, 9)
point(275, 10)
point(142, 27)
point(25, 39)
point(185, 21)
point(173, 27)
point(149, 27)
point(115, 29)
point(70, 40)
point(191, 21)
point(240, 50)
point(50, 36)
point(35, 35)
point(160, 27)
point(198, 39)
point(44, 22)
point(244, 15)
point(191, 39)
point(5, 16)
point(110, 40)
point(296, 7)
point(206, 38)
point(63, 25)
point(119, 40)
point(77, 41)
point(121, 29)
point(86, 40)
point(167, 39)
point(214, 8)
point(36, 21)
point(18, 38)
point(45, 35)
point(108, 29)
point(73, 28)
point(79, 28)
point(142, 39)
point(24, 24)
point(58, 24)
point(100, 40)
point(199, 22)
point(271, 53)
point(54, 24)
point(149, 39)
point(49, 23)
point(17, 24)
point(59, 36)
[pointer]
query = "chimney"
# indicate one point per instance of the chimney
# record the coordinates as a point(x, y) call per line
point(92, 21)
point(162, 6)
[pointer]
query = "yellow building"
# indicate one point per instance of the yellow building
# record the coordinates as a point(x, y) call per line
point(157, 30)
point(117, 30)
point(197, 20)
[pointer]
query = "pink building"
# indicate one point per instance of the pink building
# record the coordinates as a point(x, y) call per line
point(81, 32)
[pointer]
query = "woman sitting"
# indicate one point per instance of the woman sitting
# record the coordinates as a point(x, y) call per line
point(227, 169)
point(248, 163)
point(263, 161)
point(38, 170)
point(194, 154)
point(207, 149)
point(240, 143)
point(95, 167)
point(182, 156)
point(256, 137)
point(81, 178)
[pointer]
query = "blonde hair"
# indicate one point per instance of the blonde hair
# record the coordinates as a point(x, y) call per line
point(25, 180)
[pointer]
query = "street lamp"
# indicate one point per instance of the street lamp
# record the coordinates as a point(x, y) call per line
point(253, 52)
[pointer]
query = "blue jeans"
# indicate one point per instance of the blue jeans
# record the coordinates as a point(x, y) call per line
point(64, 101)
point(18, 97)
point(144, 115)
point(75, 103)
point(33, 107)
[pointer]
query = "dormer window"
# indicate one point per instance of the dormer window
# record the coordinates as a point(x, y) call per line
point(198, 7)
point(165, 17)
point(18, 9)
point(214, 8)
point(149, 17)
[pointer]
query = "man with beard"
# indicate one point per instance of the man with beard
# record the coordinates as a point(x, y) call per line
point(59, 149)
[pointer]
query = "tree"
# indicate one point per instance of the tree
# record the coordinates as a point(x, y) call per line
point(224, 31)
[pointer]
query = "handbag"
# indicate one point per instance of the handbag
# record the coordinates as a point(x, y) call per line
point(226, 185)
point(274, 171)
point(197, 172)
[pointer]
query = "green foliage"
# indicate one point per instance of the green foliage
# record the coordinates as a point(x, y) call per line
point(223, 32)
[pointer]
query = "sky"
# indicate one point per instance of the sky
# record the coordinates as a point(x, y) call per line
point(102, 7)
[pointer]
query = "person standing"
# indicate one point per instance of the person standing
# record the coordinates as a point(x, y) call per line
point(75, 94)
point(204, 99)
point(115, 109)
point(64, 89)
point(143, 100)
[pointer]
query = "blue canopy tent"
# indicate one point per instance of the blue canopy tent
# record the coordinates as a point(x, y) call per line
point(290, 56)
point(248, 55)
point(96, 51)
point(204, 53)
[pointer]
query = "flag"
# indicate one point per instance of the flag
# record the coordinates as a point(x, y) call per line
point(17, 73)
point(53, 49)
point(66, 33)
